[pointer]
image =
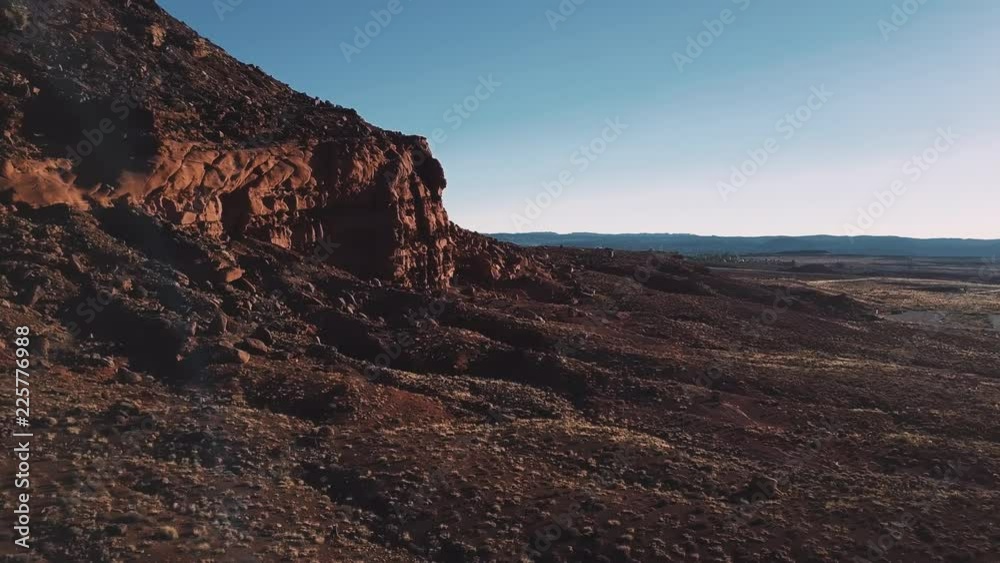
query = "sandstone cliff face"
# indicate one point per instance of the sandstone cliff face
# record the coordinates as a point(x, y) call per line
point(161, 118)
point(378, 209)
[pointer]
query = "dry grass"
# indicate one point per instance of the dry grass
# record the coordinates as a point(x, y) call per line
point(962, 303)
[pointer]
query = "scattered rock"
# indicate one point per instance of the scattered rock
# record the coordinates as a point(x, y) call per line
point(166, 533)
point(219, 323)
point(266, 336)
point(230, 355)
point(254, 346)
point(128, 376)
point(214, 354)
point(229, 275)
point(760, 488)
point(156, 35)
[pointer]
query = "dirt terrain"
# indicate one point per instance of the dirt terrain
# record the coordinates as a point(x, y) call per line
point(633, 408)
point(286, 352)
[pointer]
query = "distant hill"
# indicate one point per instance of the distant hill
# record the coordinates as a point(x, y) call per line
point(697, 244)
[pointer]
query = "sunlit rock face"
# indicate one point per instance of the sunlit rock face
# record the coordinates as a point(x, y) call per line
point(162, 119)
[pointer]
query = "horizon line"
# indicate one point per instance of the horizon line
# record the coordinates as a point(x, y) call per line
point(647, 233)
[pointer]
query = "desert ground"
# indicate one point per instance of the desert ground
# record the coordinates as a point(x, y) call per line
point(606, 407)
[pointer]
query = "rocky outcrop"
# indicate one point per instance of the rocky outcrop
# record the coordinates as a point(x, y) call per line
point(378, 209)
point(208, 143)
point(484, 261)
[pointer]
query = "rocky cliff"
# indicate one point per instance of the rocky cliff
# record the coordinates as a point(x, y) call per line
point(103, 101)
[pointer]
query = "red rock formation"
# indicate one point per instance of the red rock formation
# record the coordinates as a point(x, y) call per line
point(207, 142)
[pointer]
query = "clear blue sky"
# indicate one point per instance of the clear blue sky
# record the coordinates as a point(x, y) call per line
point(561, 78)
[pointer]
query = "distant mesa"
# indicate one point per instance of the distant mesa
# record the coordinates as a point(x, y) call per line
point(772, 245)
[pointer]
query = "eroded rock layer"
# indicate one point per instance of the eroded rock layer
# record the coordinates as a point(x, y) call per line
point(159, 117)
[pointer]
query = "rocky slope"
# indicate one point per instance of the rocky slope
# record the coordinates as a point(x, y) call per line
point(619, 408)
point(103, 101)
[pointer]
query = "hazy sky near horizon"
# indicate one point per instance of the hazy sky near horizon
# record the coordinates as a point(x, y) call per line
point(518, 97)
